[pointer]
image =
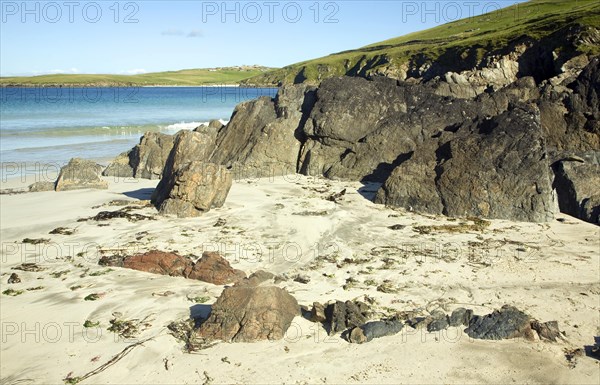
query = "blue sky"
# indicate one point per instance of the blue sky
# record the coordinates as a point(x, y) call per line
point(71, 36)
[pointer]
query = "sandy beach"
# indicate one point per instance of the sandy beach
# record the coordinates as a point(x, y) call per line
point(286, 226)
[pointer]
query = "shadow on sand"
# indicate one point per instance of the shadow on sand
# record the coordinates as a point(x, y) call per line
point(141, 194)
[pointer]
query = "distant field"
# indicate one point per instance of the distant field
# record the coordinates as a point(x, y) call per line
point(466, 40)
point(189, 77)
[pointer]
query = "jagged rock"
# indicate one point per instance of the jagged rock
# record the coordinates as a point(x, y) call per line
point(216, 124)
point(343, 315)
point(317, 313)
point(576, 186)
point(14, 278)
point(250, 314)
point(571, 115)
point(146, 160)
point(262, 139)
point(213, 268)
point(41, 186)
point(375, 329)
point(570, 70)
point(547, 330)
point(192, 189)
point(590, 209)
point(508, 322)
point(460, 316)
point(501, 165)
point(439, 322)
point(80, 174)
point(189, 186)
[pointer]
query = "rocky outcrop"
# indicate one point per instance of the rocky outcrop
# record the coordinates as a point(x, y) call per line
point(146, 160)
point(191, 189)
point(213, 268)
point(340, 316)
point(80, 174)
point(570, 115)
point(249, 314)
point(263, 136)
point(508, 322)
point(444, 147)
point(576, 185)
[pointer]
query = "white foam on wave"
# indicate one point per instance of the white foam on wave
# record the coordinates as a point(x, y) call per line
point(183, 126)
point(187, 125)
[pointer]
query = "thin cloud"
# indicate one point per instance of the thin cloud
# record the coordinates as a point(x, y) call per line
point(172, 32)
point(50, 72)
point(136, 71)
point(195, 33)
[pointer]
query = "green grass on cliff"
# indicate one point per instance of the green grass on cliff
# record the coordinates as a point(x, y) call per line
point(467, 40)
point(190, 77)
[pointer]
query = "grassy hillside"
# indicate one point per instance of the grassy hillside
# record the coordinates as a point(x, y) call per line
point(464, 42)
point(190, 77)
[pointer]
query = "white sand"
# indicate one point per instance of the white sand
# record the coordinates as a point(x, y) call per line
point(551, 271)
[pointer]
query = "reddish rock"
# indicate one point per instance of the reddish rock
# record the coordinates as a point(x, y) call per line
point(213, 268)
point(159, 262)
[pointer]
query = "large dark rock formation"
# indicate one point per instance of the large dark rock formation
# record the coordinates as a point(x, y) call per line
point(263, 137)
point(438, 147)
point(490, 167)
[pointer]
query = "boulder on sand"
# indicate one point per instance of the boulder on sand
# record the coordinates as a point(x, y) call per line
point(80, 174)
point(508, 322)
point(246, 313)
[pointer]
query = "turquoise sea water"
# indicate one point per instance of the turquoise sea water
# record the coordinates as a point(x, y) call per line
point(52, 125)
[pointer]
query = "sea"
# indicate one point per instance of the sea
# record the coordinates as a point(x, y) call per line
point(50, 125)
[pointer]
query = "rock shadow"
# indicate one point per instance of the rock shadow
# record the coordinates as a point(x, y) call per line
point(199, 313)
point(141, 194)
point(593, 351)
point(369, 190)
